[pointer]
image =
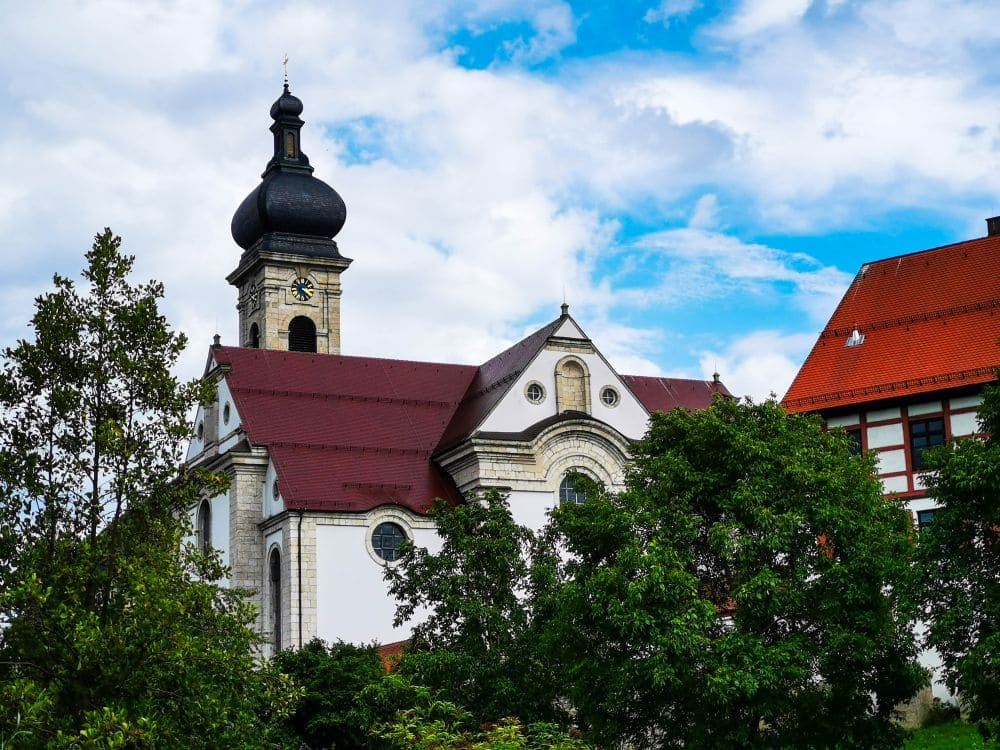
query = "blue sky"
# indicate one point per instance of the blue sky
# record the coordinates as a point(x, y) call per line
point(700, 179)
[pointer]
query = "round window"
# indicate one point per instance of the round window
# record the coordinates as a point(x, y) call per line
point(535, 393)
point(225, 414)
point(609, 396)
point(386, 540)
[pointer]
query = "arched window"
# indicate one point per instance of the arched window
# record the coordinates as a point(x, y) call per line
point(254, 342)
point(275, 576)
point(205, 526)
point(301, 335)
point(567, 492)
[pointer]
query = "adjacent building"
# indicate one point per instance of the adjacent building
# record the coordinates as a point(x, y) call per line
point(336, 459)
point(902, 363)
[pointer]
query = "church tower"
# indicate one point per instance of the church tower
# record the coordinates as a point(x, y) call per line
point(289, 274)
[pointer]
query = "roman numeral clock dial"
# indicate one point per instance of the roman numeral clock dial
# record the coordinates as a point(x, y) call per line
point(302, 289)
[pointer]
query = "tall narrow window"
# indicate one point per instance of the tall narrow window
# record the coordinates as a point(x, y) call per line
point(855, 437)
point(301, 335)
point(925, 518)
point(289, 144)
point(205, 526)
point(924, 434)
point(254, 338)
point(275, 577)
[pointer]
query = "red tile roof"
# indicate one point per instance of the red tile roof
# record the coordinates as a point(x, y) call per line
point(493, 379)
point(931, 321)
point(664, 394)
point(353, 433)
point(347, 433)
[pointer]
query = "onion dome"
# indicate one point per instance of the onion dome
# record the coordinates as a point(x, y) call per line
point(290, 206)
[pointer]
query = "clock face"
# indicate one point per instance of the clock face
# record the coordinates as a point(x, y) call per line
point(253, 298)
point(302, 289)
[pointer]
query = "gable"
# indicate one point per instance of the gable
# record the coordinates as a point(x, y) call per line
point(570, 330)
point(515, 412)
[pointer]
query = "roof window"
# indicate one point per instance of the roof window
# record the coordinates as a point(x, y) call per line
point(855, 339)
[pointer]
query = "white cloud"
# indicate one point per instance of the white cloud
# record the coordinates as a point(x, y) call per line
point(555, 29)
point(697, 264)
point(668, 10)
point(760, 363)
point(486, 192)
point(755, 16)
point(706, 212)
point(835, 121)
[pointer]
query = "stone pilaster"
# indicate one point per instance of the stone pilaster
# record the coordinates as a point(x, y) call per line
point(246, 548)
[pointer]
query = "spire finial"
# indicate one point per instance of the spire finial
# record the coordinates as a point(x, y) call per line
point(285, 64)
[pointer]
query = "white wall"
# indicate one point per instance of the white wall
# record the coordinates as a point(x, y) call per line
point(352, 601)
point(531, 509)
point(273, 504)
point(964, 424)
point(197, 445)
point(220, 527)
point(229, 431)
point(886, 434)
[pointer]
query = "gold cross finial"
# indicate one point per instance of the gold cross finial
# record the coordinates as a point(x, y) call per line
point(285, 63)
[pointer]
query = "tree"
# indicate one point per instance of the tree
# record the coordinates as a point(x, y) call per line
point(960, 561)
point(441, 725)
point(742, 591)
point(116, 633)
point(331, 712)
point(476, 644)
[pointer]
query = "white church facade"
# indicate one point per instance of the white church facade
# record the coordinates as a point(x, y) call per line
point(336, 459)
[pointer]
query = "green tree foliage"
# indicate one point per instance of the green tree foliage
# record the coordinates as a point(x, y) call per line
point(331, 712)
point(115, 634)
point(434, 724)
point(960, 561)
point(740, 592)
point(477, 643)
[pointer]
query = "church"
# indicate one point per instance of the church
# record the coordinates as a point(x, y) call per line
point(335, 459)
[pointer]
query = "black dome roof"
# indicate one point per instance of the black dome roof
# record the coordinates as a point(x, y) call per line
point(289, 200)
point(292, 204)
point(286, 104)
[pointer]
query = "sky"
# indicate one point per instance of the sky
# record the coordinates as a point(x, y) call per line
point(699, 180)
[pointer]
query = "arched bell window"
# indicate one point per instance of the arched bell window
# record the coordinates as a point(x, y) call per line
point(572, 386)
point(301, 335)
point(275, 581)
point(254, 337)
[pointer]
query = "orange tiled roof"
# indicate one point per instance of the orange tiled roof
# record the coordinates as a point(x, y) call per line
point(931, 321)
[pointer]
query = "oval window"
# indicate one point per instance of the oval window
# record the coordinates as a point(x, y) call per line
point(535, 393)
point(609, 396)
